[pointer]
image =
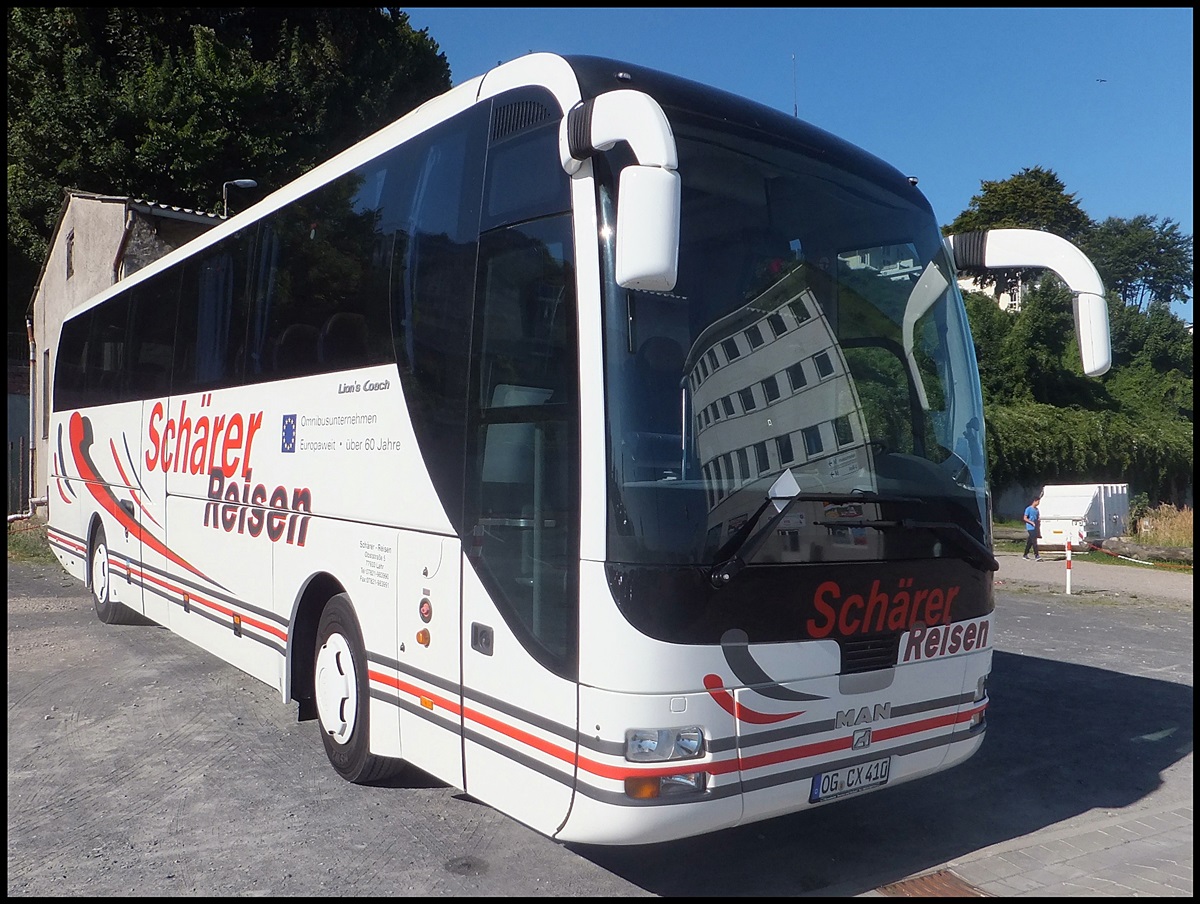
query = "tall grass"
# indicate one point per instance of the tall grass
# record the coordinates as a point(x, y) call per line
point(27, 541)
point(1166, 526)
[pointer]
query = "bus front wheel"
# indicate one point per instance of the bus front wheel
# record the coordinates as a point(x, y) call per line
point(342, 692)
point(108, 610)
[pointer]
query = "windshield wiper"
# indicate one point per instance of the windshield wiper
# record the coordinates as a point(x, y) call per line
point(946, 530)
point(741, 547)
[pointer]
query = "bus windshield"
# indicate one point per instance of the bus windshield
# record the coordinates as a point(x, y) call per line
point(814, 356)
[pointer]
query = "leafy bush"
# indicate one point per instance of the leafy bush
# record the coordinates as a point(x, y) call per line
point(1031, 443)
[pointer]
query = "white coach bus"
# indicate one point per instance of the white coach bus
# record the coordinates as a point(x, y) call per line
point(603, 444)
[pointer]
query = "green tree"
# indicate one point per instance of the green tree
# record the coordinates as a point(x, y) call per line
point(1045, 421)
point(1034, 198)
point(168, 103)
point(1153, 355)
point(990, 327)
point(1042, 354)
point(1145, 260)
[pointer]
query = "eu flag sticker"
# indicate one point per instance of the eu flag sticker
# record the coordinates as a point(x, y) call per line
point(289, 433)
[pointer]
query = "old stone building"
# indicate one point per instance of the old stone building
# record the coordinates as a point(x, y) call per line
point(99, 239)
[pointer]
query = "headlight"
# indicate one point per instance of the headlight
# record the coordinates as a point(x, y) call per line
point(657, 745)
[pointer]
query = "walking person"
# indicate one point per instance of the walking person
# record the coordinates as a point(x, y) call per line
point(1033, 529)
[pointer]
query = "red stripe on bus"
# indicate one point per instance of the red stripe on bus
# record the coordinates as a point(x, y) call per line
point(132, 492)
point(193, 598)
point(619, 773)
point(740, 711)
point(105, 497)
point(896, 731)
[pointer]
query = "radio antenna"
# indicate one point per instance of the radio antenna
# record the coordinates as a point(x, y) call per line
point(795, 97)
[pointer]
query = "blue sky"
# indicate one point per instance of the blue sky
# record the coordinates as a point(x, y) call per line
point(1103, 97)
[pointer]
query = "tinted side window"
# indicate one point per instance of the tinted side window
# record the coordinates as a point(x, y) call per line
point(213, 314)
point(152, 335)
point(525, 178)
point(320, 277)
point(523, 469)
point(430, 206)
point(69, 373)
point(106, 358)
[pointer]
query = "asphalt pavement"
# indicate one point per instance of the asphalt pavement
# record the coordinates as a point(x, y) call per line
point(1142, 847)
point(136, 765)
point(1115, 581)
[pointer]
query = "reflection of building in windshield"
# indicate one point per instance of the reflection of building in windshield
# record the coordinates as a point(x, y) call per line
point(771, 390)
point(888, 261)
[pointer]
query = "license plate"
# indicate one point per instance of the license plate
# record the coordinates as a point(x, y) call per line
point(849, 779)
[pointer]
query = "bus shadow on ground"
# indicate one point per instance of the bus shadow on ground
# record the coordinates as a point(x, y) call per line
point(1062, 739)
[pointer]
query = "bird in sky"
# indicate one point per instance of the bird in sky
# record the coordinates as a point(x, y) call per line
point(1102, 80)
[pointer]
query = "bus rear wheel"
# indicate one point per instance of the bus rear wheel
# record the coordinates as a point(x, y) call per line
point(108, 610)
point(342, 692)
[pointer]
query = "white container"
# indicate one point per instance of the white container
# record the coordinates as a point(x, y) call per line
point(1084, 512)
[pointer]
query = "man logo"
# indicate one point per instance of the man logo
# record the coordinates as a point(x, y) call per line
point(862, 739)
point(847, 718)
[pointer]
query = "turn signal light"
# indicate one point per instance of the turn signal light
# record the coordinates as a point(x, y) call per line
point(423, 637)
point(650, 787)
point(640, 788)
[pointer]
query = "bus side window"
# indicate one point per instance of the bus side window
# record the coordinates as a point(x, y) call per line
point(107, 353)
point(293, 287)
point(343, 340)
point(213, 318)
point(320, 300)
point(70, 370)
point(431, 212)
point(152, 335)
point(295, 350)
point(522, 478)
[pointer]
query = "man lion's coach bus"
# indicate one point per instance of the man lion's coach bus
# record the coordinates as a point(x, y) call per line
point(603, 444)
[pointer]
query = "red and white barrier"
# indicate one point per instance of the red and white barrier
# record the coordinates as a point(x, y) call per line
point(1068, 547)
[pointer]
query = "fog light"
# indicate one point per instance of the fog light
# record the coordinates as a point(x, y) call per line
point(684, 783)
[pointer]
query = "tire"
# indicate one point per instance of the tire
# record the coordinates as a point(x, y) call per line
point(108, 610)
point(342, 693)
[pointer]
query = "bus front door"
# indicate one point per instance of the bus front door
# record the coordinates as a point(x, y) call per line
point(519, 712)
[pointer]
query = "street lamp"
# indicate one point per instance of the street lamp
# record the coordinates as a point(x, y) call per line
point(236, 183)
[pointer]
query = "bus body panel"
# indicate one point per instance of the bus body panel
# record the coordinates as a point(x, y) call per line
point(546, 70)
point(152, 507)
point(775, 746)
point(886, 717)
point(604, 812)
point(647, 663)
point(120, 455)
point(339, 443)
point(419, 681)
point(599, 822)
point(99, 450)
point(221, 591)
point(67, 515)
point(519, 719)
